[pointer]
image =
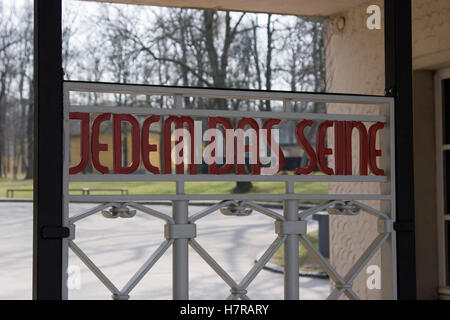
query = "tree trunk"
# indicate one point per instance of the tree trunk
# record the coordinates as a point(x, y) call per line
point(269, 31)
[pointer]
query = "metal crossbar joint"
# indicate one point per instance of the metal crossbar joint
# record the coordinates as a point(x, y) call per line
point(236, 210)
point(385, 226)
point(180, 231)
point(118, 296)
point(290, 227)
point(71, 231)
point(346, 208)
point(238, 291)
point(345, 286)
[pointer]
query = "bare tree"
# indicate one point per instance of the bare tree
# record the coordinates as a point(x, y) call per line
point(8, 39)
point(158, 46)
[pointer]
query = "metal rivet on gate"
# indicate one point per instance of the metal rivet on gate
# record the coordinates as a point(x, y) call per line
point(119, 211)
point(180, 231)
point(116, 296)
point(290, 227)
point(385, 226)
point(236, 210)
point(238, 291)
point(343, 286)
point(346, 208)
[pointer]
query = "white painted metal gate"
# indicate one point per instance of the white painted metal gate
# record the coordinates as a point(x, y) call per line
point(180, 228)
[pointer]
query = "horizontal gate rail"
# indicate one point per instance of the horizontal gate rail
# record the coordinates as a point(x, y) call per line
point(230, 177)
point(260, 197)
point(228, 114)
point(134, 89)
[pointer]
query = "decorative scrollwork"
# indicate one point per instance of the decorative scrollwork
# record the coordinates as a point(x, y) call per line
point(346, 208)
point(117, 211)
point(234, 209)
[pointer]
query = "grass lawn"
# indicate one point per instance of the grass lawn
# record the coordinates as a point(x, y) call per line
point(307, 263)
point(169, 187)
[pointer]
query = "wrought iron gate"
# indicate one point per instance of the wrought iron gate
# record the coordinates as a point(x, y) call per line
point(180, 228)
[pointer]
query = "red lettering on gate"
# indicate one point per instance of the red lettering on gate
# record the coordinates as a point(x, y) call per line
point(179, 124)
point(213, 122)
point(321, 149)
point(268, 126)
point(117, 144)
point(96, 146)
point(373, 152)
point(303, 142)
point(244, 122)
point(146, 147)
point(142, 148)
point(363, 147)
point(84, 140)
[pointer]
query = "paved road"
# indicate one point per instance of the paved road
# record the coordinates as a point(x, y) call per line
point(120, 246)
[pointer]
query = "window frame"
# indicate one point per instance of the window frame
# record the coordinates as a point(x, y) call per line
point(442, 216)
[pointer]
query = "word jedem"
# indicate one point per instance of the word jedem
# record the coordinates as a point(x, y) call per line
point(186, 145)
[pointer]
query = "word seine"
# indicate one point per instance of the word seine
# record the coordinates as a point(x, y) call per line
point(189, 139)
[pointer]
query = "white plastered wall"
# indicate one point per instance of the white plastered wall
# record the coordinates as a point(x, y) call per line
point(355, 63)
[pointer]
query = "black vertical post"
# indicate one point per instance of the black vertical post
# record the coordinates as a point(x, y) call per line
point(398, 62)
point(48, 151)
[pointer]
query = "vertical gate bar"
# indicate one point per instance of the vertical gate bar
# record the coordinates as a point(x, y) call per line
point(398, 66)
point(393, 215)
point(65, 212)
point(180, 251)
point(291, 263)
point(48, 149)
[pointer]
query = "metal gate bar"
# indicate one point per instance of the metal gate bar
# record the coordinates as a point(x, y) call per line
point(180, 249)
point(291, 261)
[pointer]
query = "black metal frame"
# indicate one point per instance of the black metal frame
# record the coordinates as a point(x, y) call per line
point(48, 151)
point(48, 193)
point(398, 73)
